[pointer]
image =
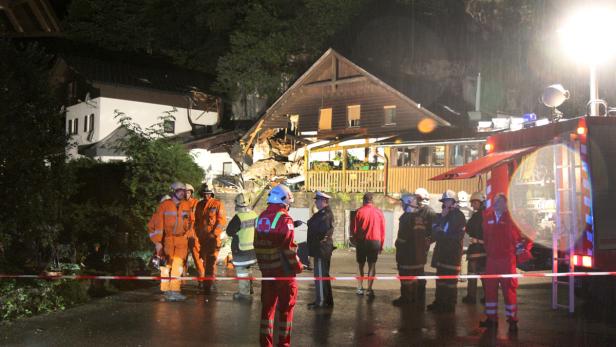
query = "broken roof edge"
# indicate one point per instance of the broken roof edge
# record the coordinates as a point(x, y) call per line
point(440, 121)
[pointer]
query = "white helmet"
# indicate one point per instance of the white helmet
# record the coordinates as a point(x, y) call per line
point(190, 187)
point(280, 194)
point(423, 194)
point(449, 195)
point(462, 196)
point(242, 200)
point(177, 186)
point(478, 196)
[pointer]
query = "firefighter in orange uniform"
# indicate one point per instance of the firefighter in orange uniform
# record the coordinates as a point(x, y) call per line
point(193, 241)
point(503, 242)
point(277, 257)
point(209, 221)
point(168, 229)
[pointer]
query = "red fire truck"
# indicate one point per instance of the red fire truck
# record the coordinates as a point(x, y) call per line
point(561, 182)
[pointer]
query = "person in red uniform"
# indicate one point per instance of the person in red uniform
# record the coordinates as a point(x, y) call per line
point(277, 257)
point(502, 242)
point(368, 236)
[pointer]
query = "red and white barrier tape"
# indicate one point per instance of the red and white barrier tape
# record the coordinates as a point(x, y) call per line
point(302, 278)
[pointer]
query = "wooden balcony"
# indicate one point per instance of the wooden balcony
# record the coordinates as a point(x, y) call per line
point(350, 181)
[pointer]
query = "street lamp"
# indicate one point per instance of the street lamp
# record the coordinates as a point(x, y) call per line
point(589, 37)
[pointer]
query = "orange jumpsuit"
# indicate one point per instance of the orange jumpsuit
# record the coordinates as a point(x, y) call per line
point(209, 221)
point(170, 225)
point(193, 244)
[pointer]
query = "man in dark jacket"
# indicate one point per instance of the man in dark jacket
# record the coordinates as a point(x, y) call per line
point(321, 246)
point(476, 253)
point(448, 232)
point(410, 249)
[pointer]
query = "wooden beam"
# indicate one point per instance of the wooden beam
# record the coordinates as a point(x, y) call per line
point(336, 82)
point(252, 136)
point(9, 14)
point(334, 71)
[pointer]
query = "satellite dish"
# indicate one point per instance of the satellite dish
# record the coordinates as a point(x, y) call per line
point(554, 95)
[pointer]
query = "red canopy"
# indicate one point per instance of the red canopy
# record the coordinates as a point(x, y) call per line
point(481, 165)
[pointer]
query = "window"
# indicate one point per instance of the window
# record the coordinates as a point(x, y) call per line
point(76, 126)
point(169, 126)
point(69, 129)
point(92, 122)
point(85, 124)
point(390, 114)
point(438, 155)
point(406, 156)
point(325, 119)
point(424, 156)
point(353, 115)
point(227, 168)
point(464, 153)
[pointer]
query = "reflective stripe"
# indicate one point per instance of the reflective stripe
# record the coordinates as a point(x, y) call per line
point(244, 263)
point(155, 232)
point(184, 213)
point(510, 307)
point(278, 215)
point(491, 304)
point(490, 311)
point(476, 240)
point(170, 213)
point(476, 255)
point(266, 250)
point(267, 321)
point(285, 324)
point(267, 331)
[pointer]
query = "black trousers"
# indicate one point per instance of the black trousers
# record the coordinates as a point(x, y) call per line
point(411, 290)
point(446, 290)
point(323, 289)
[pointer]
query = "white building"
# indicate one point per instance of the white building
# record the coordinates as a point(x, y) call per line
point(97, 89)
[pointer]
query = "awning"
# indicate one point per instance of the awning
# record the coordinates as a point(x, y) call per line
point(482, 165)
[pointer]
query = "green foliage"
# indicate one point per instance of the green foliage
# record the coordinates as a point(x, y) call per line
point(32, 142)
point(24, 299)
point(153, 164)
point(277, 40)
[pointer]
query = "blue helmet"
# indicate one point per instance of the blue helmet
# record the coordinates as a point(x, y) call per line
point(280, 194)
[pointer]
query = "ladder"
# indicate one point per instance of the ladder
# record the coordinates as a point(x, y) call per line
point(566, 217)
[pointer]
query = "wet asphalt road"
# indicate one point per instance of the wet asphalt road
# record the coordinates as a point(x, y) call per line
point(138, 318)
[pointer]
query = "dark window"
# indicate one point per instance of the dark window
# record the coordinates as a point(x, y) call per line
point(227, 168)
point(169, 126)
point(92, 122)
point(390, 114)
point(76, 126)
point(424, 156)
point(354, 115)
point(406, 156)
point(85, 124)
point(69, 131)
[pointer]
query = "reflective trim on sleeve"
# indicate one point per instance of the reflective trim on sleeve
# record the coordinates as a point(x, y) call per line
point(155, 232)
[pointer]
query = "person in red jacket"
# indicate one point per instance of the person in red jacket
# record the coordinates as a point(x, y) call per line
point(502, 241)
point(368, 236)
point(277, 257)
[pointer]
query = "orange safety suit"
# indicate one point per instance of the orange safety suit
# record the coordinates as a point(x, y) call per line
point(209, 221)
point(193, 244)
point(170, 225)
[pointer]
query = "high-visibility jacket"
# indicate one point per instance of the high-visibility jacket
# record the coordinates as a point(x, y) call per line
point(276, 251)
point(246, 234)
point(241, 229)
point(210, 218)
point(170, 219)
point(448, 232)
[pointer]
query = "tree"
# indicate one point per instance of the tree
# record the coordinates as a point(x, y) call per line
point(277, 40)
point(32, 157)
point(154, 162)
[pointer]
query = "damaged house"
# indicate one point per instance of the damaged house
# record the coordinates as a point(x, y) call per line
point(340, 128)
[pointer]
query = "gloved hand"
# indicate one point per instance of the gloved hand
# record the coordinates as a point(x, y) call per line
point(297, 223)
point(519, 248)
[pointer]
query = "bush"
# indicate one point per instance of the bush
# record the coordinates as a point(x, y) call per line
point(20, 299)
